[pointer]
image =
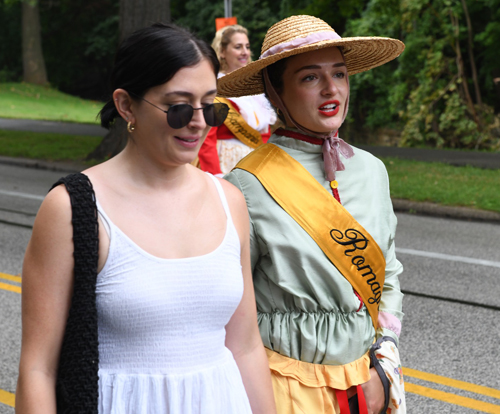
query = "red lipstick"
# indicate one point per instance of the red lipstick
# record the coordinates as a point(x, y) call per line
point(329, 108)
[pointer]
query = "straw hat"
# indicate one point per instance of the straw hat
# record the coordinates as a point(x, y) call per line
point(300, 34)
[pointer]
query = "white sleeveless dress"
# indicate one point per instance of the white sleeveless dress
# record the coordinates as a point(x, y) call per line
point(161, 328)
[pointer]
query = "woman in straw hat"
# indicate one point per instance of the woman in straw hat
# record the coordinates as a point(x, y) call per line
point(322, 227)
point(248, 123)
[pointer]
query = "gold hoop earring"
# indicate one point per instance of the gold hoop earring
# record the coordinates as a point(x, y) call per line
point(130, 127)
point(278, 111)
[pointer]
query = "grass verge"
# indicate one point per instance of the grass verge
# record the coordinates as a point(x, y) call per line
point(411, 180)
point(46, 146)
point(26, 101)
point(444, 184)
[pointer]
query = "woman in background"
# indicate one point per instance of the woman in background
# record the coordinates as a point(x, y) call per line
point(250, 117)
point(152, 311)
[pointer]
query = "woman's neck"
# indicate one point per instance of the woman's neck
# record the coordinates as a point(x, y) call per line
point(149, 172)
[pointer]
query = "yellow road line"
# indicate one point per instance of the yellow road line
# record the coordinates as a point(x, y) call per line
point(7, 398)
point(10, 277)
point(453, 399)
point(462, 385)
point(10, 288)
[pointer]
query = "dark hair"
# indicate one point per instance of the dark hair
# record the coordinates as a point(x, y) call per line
point(275, 72)
point(150, 57)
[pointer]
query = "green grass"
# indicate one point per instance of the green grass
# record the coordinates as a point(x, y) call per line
point(23, 100)
point(411, 180)
point(46, 146)
point(444, 184)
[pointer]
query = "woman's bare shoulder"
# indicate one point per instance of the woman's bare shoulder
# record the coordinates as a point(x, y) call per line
point(237, 204)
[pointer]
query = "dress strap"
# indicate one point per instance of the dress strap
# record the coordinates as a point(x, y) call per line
point(104, 218)
point(222, 196)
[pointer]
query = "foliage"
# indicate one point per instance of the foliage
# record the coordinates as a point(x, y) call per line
point(10, 35)
point(21, 100)
point(427, 91)
point(79, 39)
point(258, 15)
point(444, 184)
point(199, 16)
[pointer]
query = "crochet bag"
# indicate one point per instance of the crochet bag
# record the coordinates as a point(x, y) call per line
point(77, 376)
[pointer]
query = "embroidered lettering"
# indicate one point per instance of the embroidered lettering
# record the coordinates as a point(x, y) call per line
point(355, 240)
point(237, 128)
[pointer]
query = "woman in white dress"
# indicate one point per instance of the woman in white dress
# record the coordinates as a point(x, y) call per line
point(173, 319)
point(250, 117)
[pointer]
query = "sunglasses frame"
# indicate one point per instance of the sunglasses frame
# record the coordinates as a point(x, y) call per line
point(194, 109)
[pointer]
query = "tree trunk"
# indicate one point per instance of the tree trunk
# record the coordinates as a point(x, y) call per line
point(134, 15)
point(461, 70)
point(33, 63)
point(112, 144)
point(471, 55)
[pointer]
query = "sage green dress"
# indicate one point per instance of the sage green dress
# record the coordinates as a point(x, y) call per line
point(306, 309)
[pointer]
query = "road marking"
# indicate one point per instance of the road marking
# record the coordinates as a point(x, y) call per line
point(12, 278)
point(7, 398)
point(22, 195)
point(10, 288)
point(452, 399)
point(450, 257)
point(450, 382)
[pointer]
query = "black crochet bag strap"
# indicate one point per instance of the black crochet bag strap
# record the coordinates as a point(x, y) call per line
point(77, 377)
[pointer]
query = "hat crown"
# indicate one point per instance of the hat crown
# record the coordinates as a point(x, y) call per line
point(292, 28)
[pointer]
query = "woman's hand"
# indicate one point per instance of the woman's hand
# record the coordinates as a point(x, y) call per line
point(374, 393)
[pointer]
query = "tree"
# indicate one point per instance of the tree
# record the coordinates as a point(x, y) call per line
point(33, 62)
point(134, 15)
point(426, 92)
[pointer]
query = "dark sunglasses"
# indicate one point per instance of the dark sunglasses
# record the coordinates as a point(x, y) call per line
point(178, 116)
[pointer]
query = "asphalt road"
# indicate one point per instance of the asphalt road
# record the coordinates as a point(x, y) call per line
point(451, 331)
point(453, 157)
point(53, 127)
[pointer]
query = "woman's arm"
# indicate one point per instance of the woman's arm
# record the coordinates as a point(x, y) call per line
point(47, 283)
point(242, 333)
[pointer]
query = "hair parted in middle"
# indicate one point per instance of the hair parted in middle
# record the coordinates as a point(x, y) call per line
point(223, 38)
point(150, 57)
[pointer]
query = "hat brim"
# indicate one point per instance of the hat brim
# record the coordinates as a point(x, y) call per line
point(360, 54)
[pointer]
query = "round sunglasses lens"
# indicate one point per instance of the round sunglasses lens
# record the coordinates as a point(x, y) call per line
point(215, 114)
point(178, 116)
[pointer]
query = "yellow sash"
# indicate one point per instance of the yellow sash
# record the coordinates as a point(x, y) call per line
point(238, 126)
point(345, 242)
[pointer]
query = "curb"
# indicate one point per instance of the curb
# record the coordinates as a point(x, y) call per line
point(399, 205)
point(66, 167)
point(437, 210)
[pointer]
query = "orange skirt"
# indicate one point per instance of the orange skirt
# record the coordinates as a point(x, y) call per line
point(305, 388)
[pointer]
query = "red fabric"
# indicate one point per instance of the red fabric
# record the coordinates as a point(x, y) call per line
point(208, 156)
point(363, 408)
point(360, 300)
point(209, 159)
point(336, 195)
point(299, 136)
point(343, 401)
